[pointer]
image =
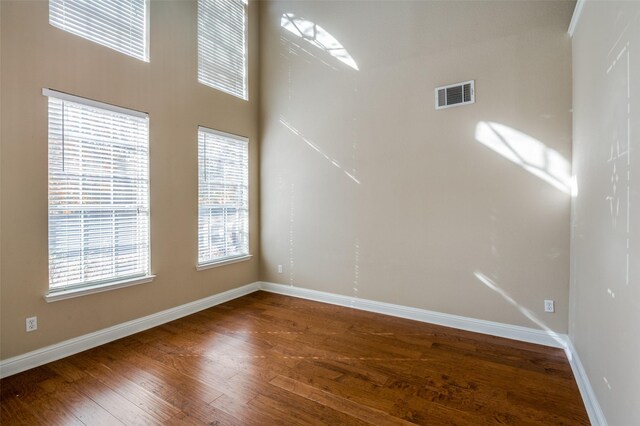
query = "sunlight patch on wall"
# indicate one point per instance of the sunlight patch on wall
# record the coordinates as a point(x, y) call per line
point(526, 312)
point(317, 36)
point(315, 147)
point(527, 152)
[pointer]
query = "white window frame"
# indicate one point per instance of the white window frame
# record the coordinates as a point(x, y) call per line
point(100, 36)
point(245, 255)
point(90, 287)
point(206, 74)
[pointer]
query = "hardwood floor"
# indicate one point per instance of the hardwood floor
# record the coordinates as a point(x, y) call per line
point(269, 359)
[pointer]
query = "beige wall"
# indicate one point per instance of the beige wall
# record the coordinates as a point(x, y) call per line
point(605, 278)
point(37, 55)
point(368, 191)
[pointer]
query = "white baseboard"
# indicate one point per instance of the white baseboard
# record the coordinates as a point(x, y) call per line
point(60, 350)
point(508, 331)
point(596, 415)
point(73, 346)
point(525, 334)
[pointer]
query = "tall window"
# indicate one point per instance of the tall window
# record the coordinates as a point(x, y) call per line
point(222, 45)
point(119, 24)
point(223, 197)
point(98, 193)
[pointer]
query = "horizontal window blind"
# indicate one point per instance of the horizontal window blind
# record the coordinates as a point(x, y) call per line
point(222, 45)
point(118, 24)
point(223, 196)
point(98, 194)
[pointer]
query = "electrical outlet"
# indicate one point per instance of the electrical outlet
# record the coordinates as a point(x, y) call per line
point(549, 306)
point(279, 269)
point(32, 324)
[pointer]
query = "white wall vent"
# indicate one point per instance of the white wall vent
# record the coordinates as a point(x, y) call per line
point(455, 94)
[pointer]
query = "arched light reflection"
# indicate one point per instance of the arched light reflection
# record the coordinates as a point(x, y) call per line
point(318, 36)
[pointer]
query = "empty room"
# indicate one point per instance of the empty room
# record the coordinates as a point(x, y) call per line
point(243, 212)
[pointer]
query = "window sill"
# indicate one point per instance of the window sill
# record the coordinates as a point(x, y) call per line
point(203, 266)
point(98, 288)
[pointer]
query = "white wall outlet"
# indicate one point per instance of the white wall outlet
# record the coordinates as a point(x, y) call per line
point(32, 324)
point(279, 269)
point(549, 306)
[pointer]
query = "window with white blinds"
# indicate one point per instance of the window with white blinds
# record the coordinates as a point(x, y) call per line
point(223, 196)
point(222, 45)
point(98, 193)
point(119, 24)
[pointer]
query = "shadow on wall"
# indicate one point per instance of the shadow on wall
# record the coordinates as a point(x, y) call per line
point(527, 152)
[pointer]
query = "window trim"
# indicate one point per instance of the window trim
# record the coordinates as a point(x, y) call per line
point(224, 261)
point(93, 103)
point(227, 260)
point(104, 285)
point(223, 134)
point(71, 293)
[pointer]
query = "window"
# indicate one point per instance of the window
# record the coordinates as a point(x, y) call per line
point(98, 194)
point(223, 197)
point(118, 24)
point(222, 45)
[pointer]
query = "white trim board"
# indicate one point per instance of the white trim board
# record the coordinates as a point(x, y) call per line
point(73, 346)
point(508, 331)
point(596, 415)
point(70, 347)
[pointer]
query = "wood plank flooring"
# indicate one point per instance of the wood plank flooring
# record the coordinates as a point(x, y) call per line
point(268, 359)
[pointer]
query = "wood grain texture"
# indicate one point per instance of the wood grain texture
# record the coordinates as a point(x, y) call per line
point(272, 359)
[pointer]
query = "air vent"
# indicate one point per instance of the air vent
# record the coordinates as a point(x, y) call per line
point(455, 94)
